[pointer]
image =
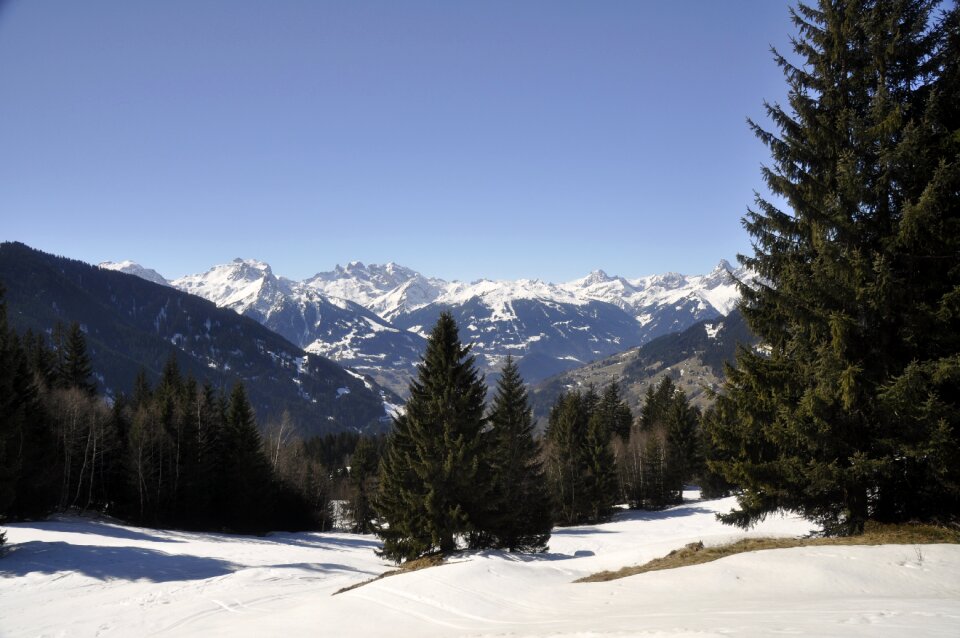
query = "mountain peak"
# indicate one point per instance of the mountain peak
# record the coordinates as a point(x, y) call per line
point(118, 265)
point(133, 268)
point(723, 265)
point(597, 276)
point(252, 263)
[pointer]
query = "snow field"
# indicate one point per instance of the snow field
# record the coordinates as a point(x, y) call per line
point(76, 577)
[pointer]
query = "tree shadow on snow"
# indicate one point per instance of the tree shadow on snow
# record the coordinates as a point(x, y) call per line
point(321, 567)
point(523, 557)
point(110, 563)
point(660, 515)
point(97, 528)
point(320, 541)
point(310, 540)
point(580, 531)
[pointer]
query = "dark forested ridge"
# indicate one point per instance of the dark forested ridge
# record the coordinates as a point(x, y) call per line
point(694, 359)
point(131, 323)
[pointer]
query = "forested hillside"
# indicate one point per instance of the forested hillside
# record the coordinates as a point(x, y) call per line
point(130, 323)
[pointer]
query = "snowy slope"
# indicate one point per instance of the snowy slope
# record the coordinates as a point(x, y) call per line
point(374, 317)
point(392, 291)
point(321, 324)
point(82, 578)
point(388, 290)
point(550, 327)
point(669, 302)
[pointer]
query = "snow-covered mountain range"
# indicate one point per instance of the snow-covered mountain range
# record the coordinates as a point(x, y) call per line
point(374, 318)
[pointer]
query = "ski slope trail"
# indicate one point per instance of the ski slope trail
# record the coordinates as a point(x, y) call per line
point(80, 577)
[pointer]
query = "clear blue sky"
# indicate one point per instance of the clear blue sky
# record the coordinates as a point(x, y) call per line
point(466, 140)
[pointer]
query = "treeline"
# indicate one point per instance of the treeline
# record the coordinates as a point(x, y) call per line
point(598, 454)
point(453, 476)
point(177, 454)
point(456, 474)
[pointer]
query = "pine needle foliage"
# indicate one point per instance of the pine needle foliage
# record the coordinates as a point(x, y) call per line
point(431, 489)
point(581, 468)
point(519, 517)
point(850, 410)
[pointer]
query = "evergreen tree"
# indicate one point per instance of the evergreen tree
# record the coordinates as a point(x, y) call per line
point(247, 467)
point(841, 415)
point(27, 448)
point(429, 490)
point(519, 508)
point(16, 396)
point(657, 403)
point(116, 469)
point(40, 359)
point(76, 370)
point(683, 437)
point(581, 467)
point(615, 412)
point(565, 435)
point(363, 471)
point(212, 456)
point(712, 482)
point(600, 478)
point(141, 388)
point(656, 492)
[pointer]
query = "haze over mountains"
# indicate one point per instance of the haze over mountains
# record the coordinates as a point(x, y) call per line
point(374, 318)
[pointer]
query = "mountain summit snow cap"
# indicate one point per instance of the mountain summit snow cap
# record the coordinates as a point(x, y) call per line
point(133, 268)
point(597, 277)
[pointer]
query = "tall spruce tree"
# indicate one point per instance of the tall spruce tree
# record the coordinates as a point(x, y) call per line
point(519, 517)
point(599, 468)
point(76, 370)
point(16, 397)
point(842, 413)
point(363, 475)
point(247, 467)
point(656, 403)
point(430, 489)
point(615, 412)
point(27, 446)
point(565, 437)
point(581, 468)
point(684, 448)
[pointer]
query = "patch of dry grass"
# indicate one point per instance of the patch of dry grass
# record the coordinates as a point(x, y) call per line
point(696, 553)
point(430, 560)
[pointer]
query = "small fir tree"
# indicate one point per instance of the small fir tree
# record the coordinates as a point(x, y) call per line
point(565, 436)
point(246, 466)
point(615, 412)
point(519, 508)
point(600, 478)
point(581, 467)
point(28, 465)
point(363, 474)
point(76, 370)
point(429, 492)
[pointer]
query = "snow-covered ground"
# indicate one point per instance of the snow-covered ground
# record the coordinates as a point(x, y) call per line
point(78, 577)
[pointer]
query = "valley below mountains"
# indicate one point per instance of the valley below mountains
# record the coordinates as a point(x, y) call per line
point(374, 319)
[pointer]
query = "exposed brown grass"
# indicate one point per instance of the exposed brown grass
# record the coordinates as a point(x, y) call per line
point(430, 560)
point(696, 553)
